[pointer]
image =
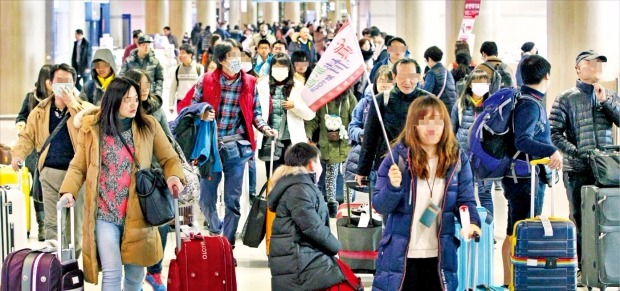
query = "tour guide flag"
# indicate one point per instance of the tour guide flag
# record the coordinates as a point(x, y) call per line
point(339, 67)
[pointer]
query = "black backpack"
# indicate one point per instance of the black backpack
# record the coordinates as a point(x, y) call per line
point(185, 129)
point(501, 78)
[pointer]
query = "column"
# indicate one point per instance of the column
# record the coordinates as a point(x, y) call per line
point(271, 12)
point(206, 11)
point(410, 30)
point(454, 17)
point(250, 14)
point(234, 13)
point(17, 77)
point(116, 23)
point(180, 15)
point(156, 16)
point(292, 11)
point(485, 28)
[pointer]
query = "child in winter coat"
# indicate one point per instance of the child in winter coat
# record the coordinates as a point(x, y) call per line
point(331, 120)
point(463, 116)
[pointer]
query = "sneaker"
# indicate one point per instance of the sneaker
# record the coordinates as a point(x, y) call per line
point(155, 281)
point(579, 280)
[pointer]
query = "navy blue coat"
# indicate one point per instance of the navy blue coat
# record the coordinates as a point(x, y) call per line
point(396, 205)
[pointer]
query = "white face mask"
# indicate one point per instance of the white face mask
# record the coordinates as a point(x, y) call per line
point(246, 66)
point(234, 65)
point(279, 74)
point(480, 88)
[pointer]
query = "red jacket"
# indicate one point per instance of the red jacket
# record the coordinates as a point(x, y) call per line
point(212, 92)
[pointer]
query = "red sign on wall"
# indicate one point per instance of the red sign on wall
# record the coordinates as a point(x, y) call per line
point(472, 8)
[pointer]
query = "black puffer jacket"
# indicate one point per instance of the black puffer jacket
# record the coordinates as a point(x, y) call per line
point(394, 116)
point(301, 254)
point(572, 124)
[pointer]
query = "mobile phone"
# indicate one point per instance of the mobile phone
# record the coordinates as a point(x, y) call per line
point(58, 86)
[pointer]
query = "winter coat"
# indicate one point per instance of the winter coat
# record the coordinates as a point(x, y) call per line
point(92, 91)
point(294, 118)
point(302, 250)
point(37, 129)
point(434, 82)
point(356, 130)
point(397, 205)
point(462, 119)
point(307, 47)
point(140, 244)
point(257, 37)
point(152, 105)
point(572, 124)
point(394, 117)
point(86, 52)
point(333, 152)
point(151, 65)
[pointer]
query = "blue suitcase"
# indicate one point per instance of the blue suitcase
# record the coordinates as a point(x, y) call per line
point(476, 258)
point(544, 251)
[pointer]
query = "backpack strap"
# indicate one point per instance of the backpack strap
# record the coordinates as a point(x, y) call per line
point(176, 74)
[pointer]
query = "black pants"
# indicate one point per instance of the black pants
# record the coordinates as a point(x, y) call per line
point(422, 274)
point(573, 181)
point(280, 161)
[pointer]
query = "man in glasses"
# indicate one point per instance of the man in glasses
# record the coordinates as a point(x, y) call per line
point(581, 120)
point(103, 72)
point(393, 111)
point(397, 49)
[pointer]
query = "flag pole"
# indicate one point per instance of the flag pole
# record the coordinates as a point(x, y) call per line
point(385, 136)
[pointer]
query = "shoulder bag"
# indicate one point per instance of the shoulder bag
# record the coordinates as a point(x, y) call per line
point(153, 193)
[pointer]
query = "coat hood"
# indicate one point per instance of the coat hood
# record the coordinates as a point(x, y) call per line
point(77, 121)
point(106, 56)
point(284, 177)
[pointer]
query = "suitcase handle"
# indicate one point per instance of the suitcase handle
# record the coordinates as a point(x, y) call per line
point(177, 220)
point(534, 163)
point(353, 185)
point(60, 205)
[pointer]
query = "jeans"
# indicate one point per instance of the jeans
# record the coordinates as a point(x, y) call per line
point(108, 238)
point(573, 182)
point(163, 232)
point(519, 201)
point(485, 195)
point(233, 174)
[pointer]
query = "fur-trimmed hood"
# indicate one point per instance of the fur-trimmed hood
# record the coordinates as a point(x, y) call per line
point(77, 121)
point(286, 176)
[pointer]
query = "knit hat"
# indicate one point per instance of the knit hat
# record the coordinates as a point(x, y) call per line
point(528, 46)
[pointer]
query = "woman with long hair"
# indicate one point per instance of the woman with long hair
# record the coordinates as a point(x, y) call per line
point(419, 194)
point(113, 142)
point(286, 109)
point(42, 89)
point(463, 116)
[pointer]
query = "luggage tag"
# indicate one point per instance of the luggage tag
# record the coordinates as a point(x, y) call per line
point(430, 214)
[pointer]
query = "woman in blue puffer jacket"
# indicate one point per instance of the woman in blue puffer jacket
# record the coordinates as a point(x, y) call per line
point(382, 82)
point(420, 193)
point(463, 116)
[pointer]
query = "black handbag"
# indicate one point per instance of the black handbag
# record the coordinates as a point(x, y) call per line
point(264, 153)
point(254, 228)
point(155, 198)
point(606, 166)
point(37, 191)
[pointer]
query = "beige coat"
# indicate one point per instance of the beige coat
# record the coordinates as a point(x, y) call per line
point(37, 129)
point(141, 244)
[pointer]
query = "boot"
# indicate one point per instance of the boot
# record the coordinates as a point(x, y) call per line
point(332, 207)
point(40, 215)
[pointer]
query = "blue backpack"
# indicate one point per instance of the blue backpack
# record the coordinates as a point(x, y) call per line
point(493, 132)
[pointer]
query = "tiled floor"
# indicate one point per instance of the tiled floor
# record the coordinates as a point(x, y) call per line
point(252, 271)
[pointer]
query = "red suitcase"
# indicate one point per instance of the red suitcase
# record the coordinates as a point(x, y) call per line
point(202, 262)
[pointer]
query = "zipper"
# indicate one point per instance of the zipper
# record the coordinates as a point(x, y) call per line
point(443, 205)
point(411, 193)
